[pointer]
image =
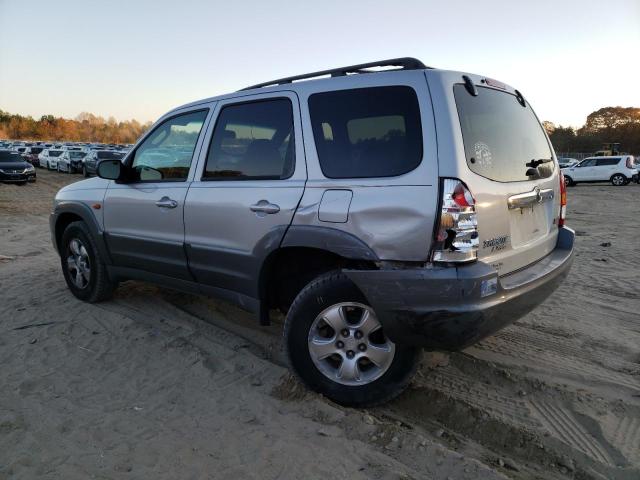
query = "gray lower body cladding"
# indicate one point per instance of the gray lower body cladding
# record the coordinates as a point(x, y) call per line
point(442, 308)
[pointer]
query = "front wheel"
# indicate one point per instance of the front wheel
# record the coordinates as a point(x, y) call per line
point(618, 180)
point(82, 266)
point(337, 347)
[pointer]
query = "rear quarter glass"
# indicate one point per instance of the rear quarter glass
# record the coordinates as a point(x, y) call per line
point(503, 141)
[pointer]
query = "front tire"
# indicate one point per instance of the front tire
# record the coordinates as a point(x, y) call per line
point(618, 180)
point(82, 266)
point(337, 347)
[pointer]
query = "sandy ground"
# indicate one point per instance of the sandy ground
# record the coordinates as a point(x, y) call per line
point(157, 384)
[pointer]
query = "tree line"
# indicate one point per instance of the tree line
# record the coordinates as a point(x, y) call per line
point(86, 127)
point(606, 125)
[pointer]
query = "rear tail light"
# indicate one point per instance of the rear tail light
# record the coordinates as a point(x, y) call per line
point(563, 200)
point(456, 236)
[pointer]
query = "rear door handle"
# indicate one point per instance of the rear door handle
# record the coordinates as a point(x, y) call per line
point(166, 202)
point(263, 206)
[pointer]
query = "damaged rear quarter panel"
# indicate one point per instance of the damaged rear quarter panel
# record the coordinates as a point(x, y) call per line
point(394, 216)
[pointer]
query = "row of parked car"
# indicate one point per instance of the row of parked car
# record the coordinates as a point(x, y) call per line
point(619, 170)
point(69, 157)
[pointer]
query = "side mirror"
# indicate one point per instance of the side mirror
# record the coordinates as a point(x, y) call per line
point(109, 169)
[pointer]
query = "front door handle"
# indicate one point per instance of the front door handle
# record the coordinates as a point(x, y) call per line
point(166, 202)
point(264, 207)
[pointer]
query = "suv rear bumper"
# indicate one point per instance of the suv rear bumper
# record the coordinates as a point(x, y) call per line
point(441, 308)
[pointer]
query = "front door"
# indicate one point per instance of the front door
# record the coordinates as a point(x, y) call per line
point(144, 218)
point(246, 191)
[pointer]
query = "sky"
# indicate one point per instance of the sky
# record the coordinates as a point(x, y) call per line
point(139, 58)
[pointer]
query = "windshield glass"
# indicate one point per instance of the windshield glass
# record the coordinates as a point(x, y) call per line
point(110, 155)
point(55, 153)
point(503, 140)
point(77, 154)
point(36, 149)
point(6, 156)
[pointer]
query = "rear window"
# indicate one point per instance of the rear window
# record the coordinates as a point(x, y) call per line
point(367, 132)
point(503, 140)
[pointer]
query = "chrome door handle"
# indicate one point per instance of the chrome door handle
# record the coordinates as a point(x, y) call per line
point(166, 202)
point(527, 199)
point(263, 206)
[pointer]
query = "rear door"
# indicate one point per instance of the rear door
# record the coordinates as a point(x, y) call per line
point(502, 153)
point(246, 190)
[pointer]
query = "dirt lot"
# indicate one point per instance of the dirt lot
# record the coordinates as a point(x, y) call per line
point(158, 384)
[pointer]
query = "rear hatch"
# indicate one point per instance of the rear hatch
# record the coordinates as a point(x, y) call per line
point(512, 173)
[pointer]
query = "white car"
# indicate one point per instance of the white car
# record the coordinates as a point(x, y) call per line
point(49, 158)
point(71, 161)
point(619, 170)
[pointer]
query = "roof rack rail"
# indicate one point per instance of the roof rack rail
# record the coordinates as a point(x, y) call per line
point(405, 63)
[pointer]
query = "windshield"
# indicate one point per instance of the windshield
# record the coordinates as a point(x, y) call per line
point(36, 149)
point(503, 140)
point(77, 154)
point(110, 155)
point(6, 156)
point(55, 153)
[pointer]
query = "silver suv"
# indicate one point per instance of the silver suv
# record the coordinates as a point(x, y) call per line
point(383, 211)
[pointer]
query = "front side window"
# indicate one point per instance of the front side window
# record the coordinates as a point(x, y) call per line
point(367, 132)
point(252, 141)
point(503, 141)
point(166, 154)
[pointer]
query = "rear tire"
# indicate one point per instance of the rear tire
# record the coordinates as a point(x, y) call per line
point(568, 181)
point(82, 266)
point(344, 372)
point(618, 180)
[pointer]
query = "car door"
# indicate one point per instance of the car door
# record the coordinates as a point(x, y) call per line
point(247, 188)
point(144, 217)
point(606, 167)
point(584, 171)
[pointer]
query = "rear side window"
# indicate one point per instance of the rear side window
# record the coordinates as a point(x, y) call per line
point(503, 141)
point(604, 162)
point(252, 141)
point(367, 132)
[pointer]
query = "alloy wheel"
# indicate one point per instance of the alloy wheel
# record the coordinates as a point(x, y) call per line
point(78, 264)
point(347, 345)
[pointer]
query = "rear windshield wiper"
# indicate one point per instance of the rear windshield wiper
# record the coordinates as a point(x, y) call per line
point(534, 163)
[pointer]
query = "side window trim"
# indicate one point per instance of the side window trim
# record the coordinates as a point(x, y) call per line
point(196, 150)
point(206, 147)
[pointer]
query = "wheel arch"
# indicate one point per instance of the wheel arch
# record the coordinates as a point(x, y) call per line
point(66, 213)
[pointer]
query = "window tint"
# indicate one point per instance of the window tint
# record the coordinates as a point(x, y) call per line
point(368, 132)
point(603, 162)
point(501, 137)
point(252, 141)
point(588, 163)
point(167, 152)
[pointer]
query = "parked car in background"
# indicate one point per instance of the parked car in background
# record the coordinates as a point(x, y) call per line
point(619, 170)
point(567, 162)
point(383, 212)
point(71, 161)
point(48, 158)
point(31, 154)
point(90, 163)
point(14, 169)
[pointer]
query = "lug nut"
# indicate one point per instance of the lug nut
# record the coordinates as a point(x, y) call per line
point(351, 354)
point(362, 347)
point(358, 334)
point(345, 332)
point(339, 344)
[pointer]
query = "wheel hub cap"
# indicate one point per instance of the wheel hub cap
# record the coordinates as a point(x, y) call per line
point(347, 345)
point(78, 264)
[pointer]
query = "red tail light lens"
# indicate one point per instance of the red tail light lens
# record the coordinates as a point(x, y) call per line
point(456, 237)
point(563, 200)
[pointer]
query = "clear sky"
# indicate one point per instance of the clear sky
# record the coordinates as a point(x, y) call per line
point(139, 58)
